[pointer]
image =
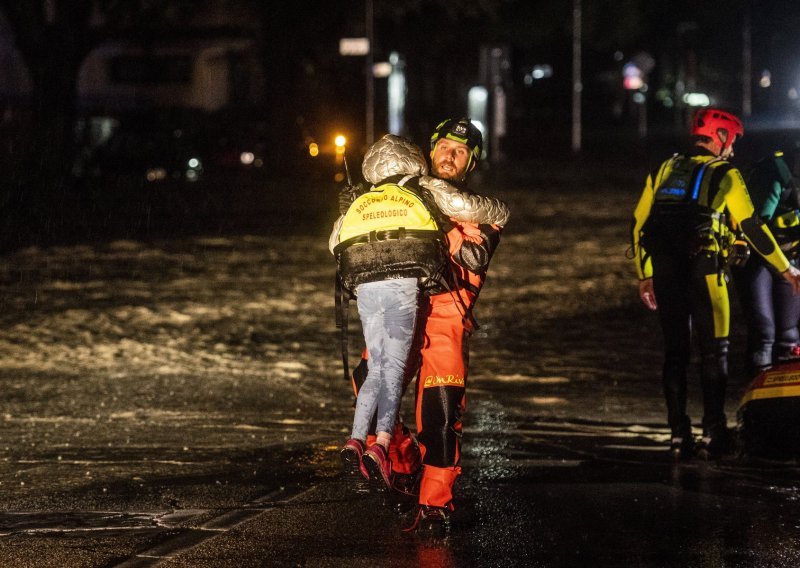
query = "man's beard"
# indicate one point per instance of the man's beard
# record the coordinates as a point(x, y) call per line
point(456, 178)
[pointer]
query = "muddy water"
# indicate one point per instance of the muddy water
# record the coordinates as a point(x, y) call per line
point(199, 374)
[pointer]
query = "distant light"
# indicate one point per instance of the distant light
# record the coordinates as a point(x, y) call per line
point(618, 55)
point(478, 111)
point(192, 175)
point(338, 177)
point(339, 142)
point(313, 149)
point(632, 76)
point(792, 94)
point(639, 98)
point(193, 163)
point(633, 83)
point(247, 158)
point(766, 79)
point(543, 71)
point(353, 46)
point(396, 90)
point(478, 94)
point(696, 99)
point(156, 174)
point(381, 69)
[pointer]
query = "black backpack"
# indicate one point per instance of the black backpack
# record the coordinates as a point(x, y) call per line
point(677, 224)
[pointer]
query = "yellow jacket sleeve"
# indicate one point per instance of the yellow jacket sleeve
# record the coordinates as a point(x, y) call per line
point(644, 268)
point(738, 203)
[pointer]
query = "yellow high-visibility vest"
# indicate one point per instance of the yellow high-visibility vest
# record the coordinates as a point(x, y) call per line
point(386, 207)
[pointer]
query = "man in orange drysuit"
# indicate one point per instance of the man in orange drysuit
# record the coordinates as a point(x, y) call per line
point(442, 359)
point(442, 378)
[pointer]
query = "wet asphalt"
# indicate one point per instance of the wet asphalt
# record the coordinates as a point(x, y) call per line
point(536, 493)
point(178, 402)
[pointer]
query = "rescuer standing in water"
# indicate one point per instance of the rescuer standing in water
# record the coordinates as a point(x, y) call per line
point(681, 236)
point(770, 307)
point(446, 324)
point(462, 207)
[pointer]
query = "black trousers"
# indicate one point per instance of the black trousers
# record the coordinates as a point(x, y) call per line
point(692, 297)
point(771, 312)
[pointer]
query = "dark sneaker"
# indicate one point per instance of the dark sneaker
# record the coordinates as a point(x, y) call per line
point(714, 444)
point(430, 520)
point(405, 491)
point(681, 445)
point(351, 454)
point(379, 467)
point(408, 483)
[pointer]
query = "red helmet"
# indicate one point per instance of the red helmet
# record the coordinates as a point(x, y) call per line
point(709, 121)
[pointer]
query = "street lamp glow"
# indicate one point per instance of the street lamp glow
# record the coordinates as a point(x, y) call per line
point(339, 142)
point(696, 99)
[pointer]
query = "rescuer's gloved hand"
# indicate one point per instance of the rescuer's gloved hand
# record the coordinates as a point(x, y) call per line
point(348, 194)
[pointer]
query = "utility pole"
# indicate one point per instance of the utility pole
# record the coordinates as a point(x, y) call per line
point(370, 119)
point(747, 65)
point(577, 85)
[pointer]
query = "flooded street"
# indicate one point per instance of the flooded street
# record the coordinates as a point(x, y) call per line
point(179, 401)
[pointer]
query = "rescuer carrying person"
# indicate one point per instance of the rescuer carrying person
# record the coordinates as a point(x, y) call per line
point(390, 249)
point(441, 345)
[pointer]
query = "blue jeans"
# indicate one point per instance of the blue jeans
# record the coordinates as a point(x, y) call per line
point(388, 311)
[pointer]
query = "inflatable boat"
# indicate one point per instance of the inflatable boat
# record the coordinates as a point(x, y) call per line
point(768, 417)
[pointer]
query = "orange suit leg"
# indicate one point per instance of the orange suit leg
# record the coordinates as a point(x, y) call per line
point(441, 400)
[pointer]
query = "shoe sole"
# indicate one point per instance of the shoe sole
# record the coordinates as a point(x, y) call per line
point(377, 480)
point(682, 454)
point(429, 527)
point(436, 528)
point(351, 464)
point(408, 488)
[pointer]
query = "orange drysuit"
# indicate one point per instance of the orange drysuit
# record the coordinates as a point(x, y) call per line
point(440, 365)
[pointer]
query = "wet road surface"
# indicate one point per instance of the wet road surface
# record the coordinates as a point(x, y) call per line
point(178, 402)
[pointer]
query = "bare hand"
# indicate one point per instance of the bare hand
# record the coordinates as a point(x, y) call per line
point(792, 275)
point(647, 294)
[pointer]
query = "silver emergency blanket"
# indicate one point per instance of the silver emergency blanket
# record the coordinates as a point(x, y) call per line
point(392, 155)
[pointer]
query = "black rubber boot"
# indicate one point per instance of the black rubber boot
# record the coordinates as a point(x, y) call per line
point(682, 442)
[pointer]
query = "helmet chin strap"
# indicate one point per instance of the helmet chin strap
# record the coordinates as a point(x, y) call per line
point(470, 165)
